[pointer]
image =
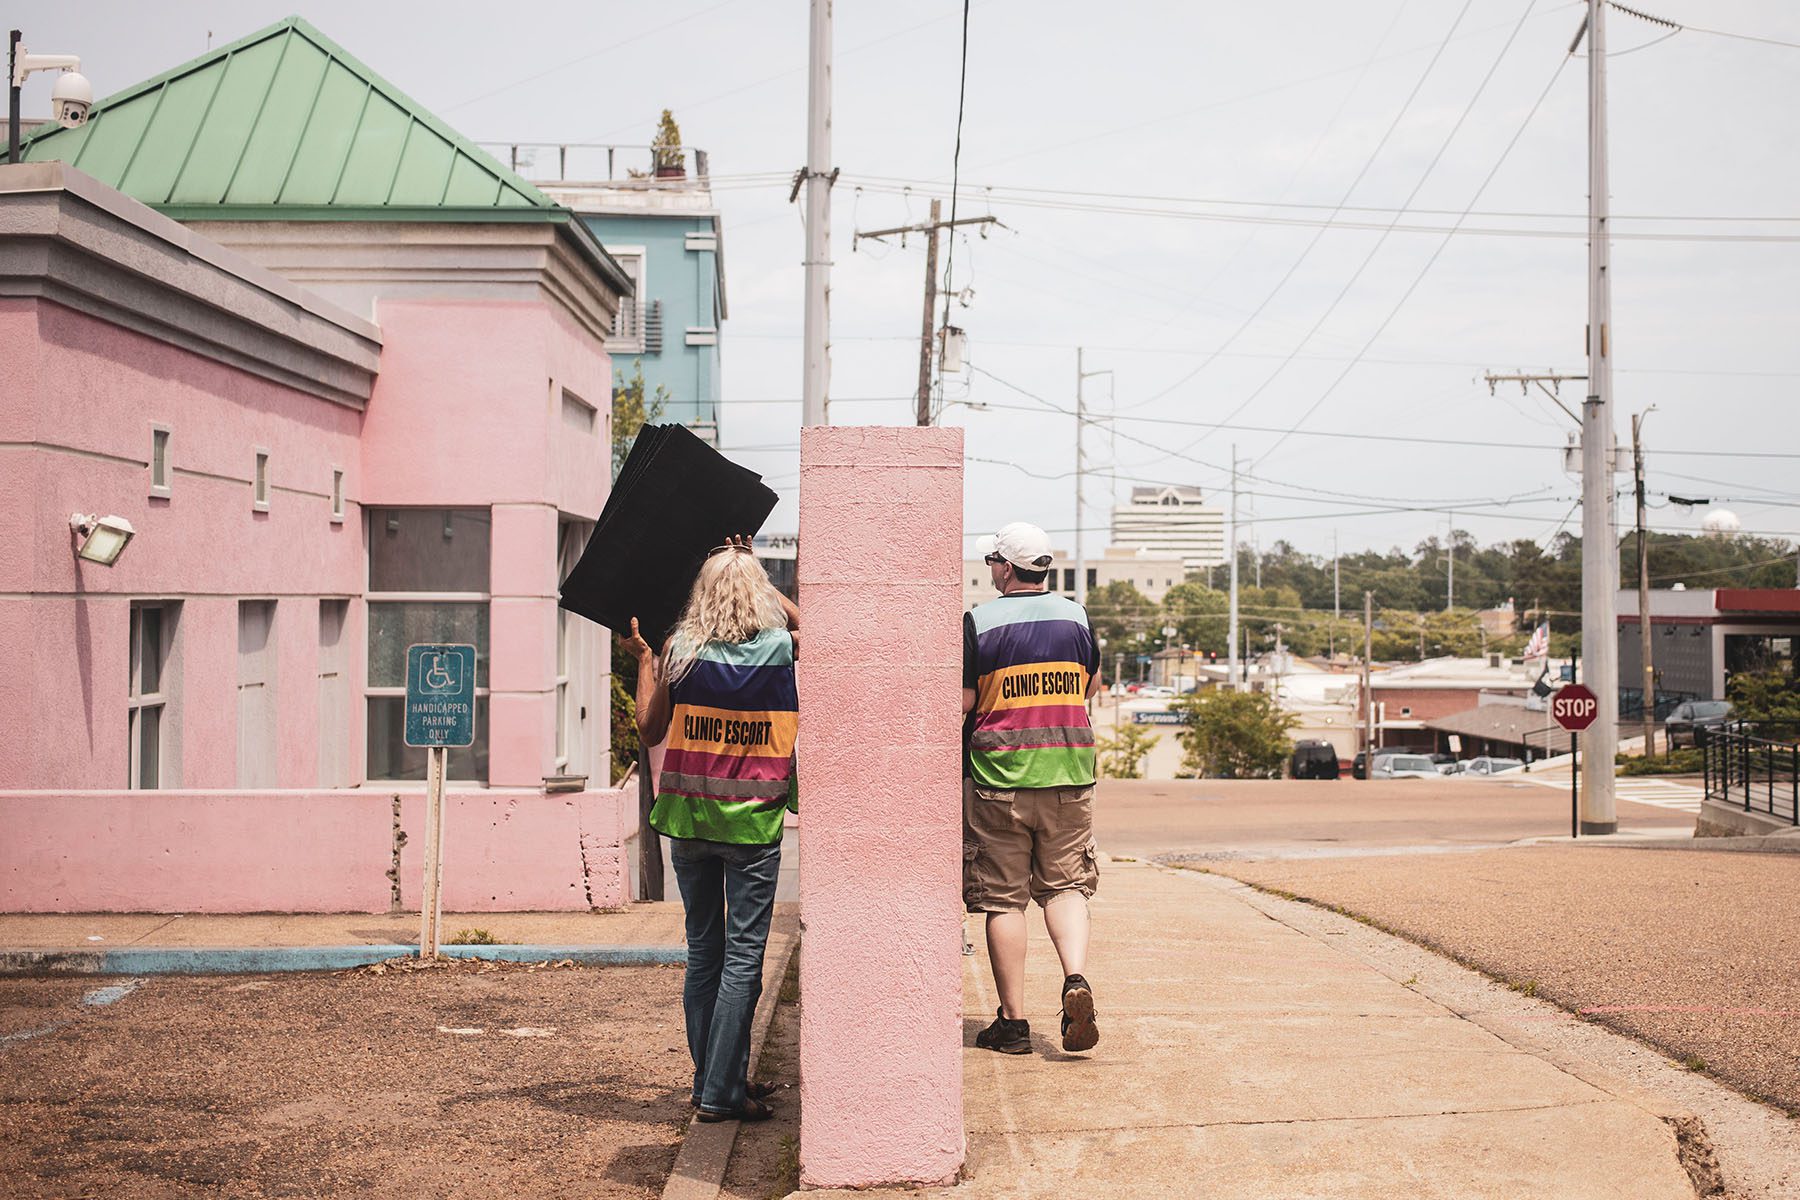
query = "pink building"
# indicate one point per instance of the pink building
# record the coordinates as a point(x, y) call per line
point(347, 378)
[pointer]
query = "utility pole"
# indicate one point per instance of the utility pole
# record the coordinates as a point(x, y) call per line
point(1599, 549)
point(1080, 480)
point(1081, 378)
point(924, 399)
point(1450, 555)
point(1367, 686)
point(1232, 634)
point(818, 178)
point(1645, 644)
point(1337, 607)
point(12, 97)
point(930, 229)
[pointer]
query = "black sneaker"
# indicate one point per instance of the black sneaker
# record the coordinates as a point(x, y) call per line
point(1078, 1029)
point(1008, 1037)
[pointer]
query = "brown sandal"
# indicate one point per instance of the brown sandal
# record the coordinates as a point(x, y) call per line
point(753, 1110)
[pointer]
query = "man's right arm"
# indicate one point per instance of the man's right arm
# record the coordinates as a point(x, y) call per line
point(970, 666)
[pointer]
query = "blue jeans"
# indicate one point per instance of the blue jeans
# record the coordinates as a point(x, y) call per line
point(729, 893)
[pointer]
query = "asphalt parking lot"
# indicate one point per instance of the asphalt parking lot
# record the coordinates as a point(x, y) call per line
point(473, 1080)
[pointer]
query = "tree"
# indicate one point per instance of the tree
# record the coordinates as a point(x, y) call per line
point(1119, 612)
point(1121, 756)
point(624, 718)
point(1198, 614)
point(665, 147)
point(1764, 695)
point(1234, 735)
point(631, 411)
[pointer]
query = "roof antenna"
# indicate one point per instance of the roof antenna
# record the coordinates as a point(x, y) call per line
point(209, 39)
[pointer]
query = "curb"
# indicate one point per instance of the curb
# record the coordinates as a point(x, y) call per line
point(700, 1164)
point(262, 960)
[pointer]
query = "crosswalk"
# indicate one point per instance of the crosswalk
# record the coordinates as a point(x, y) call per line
point(1657, 793)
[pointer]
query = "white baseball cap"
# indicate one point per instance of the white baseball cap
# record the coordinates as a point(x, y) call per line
point(1021, 543)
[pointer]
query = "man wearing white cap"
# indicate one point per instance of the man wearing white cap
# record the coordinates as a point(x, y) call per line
point(1030, 662)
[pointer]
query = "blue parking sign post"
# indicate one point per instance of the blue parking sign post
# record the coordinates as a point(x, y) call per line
point(440, 713)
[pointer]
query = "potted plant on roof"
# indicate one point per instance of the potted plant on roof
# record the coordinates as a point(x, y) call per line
point(666, 157)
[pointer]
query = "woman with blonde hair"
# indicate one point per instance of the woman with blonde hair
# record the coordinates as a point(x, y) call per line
point(723, 692)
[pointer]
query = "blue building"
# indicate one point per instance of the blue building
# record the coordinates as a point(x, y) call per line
point(653, 211)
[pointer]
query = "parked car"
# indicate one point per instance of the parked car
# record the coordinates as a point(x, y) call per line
point(1489, 765)
point(1156, 689)
point(1314, 759)
point(1405, 766)
point(1452, 768)
point(1359, 768)
point(1691, 720)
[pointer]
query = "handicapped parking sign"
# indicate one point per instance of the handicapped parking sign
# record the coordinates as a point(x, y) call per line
point(440, 695)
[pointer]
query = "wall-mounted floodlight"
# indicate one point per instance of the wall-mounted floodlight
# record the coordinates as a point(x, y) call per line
point(102, 539)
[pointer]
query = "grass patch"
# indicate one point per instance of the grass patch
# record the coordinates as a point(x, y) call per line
point(1689, 760)
point(787, 1167)
point(1694, 1062)
point(473, 937)
point(790, 982)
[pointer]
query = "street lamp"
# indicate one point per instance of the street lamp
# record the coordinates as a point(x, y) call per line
point(70, 99)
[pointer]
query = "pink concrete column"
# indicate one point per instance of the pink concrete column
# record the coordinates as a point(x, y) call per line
point(880, 676)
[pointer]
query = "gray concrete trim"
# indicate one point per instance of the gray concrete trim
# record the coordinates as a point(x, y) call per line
point(67, 239)
point(357, 264)
point(1720, 821)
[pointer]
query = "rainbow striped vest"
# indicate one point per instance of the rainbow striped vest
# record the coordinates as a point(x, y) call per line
point(1030, 725)
point(729, 770)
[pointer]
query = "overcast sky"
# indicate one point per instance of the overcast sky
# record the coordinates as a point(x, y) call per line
point(1242, 310)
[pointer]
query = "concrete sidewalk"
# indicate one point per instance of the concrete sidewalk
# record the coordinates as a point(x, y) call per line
point(1242, 1057)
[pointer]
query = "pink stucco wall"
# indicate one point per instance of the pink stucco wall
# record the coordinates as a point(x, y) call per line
point(880, 778)
point(306, 851)
point(81, 396)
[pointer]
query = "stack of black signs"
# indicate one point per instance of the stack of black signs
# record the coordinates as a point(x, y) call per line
point(675, 499)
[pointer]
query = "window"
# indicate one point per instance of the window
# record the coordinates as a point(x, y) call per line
point(578, 416)
point(629, 325)
point(259, 482)
point(334, 694)
point(578, 677)
point(256, 694)
point(159, 461)
point(337, 496)
point(428, 582)
point(1068, 579)
point(151, 628)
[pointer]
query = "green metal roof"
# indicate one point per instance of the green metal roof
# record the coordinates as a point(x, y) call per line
point(286, 124)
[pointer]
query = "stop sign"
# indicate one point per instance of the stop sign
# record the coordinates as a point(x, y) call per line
point(1574, 707)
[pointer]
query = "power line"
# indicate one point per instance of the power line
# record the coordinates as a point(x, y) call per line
point(1368, 163)
point(1443, 146)
point(1678, 27)
point(962, 90)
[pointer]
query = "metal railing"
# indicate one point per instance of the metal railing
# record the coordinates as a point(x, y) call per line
point(1631, 704)
point(1755, 765)
point(592, 162)
point(640, 322)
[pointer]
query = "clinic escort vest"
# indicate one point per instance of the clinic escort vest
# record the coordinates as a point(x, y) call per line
point(728, 774)
point(1030, 726)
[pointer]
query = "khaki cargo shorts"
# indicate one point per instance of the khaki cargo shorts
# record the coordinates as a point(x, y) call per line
point(1026, 844)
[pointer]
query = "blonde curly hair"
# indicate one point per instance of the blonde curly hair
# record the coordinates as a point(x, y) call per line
point(732, 601)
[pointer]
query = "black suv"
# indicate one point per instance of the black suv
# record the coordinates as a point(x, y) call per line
point(1314, 759)
point(1693, 718)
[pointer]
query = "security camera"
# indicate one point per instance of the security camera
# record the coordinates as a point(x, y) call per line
point(70, 99)
point(72, 96)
